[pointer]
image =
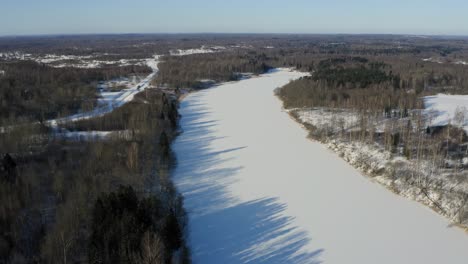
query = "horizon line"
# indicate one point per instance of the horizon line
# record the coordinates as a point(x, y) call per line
point(229, 33)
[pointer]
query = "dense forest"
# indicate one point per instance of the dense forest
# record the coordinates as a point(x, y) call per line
point(352, 82)
point(192, 71)
point(87, 200)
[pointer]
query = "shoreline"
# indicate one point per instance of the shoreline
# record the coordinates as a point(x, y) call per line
point(373, 177)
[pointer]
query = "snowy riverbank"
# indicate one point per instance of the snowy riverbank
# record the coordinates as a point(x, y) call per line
point(258, 191)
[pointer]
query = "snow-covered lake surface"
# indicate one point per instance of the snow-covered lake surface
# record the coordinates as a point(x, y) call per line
point(258, 191)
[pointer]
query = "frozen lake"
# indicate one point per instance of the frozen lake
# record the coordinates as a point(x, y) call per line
point(258, 191)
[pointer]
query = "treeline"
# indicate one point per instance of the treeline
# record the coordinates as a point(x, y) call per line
point(383, 82)
point(307, 92)
point(191, 71)
point(125, 118)
point(355, 83)
point(351, 69)
point(106, 201)
point(354, 72)
point(429, 77)
point(35, 92)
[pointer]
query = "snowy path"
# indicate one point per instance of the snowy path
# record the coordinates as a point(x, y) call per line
point(258, 191)
point(112, 103)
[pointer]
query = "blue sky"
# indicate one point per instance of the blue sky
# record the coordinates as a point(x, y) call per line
point(23, 17)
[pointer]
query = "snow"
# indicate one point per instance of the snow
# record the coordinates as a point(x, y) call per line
point(442, 109)
point(444, 60)
point(202, 50)
point(60, 61)
point(112, 101)
point(109, 100)
point(92, 135)
point(14, 55)
point(337, 120)
point(436, 60)
point(258, 191)
point(242, 46)
point(334, 119)
point(84, 135)
point(461, 62)
point(109, 97)
point(398, 174)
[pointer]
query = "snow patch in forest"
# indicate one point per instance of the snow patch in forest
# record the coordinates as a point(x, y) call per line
point(436, 60)
point(202, 50)
point(107, 96)
point(242, 46)
point(335, 120)
point(14, 55)
point(92, 135)
point(62, 61)
point(83, 135)
point(445, 60)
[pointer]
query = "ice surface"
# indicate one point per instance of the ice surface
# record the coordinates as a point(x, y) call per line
point(258, 191)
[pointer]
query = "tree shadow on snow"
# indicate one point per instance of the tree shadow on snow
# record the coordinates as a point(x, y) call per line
point(222, 229)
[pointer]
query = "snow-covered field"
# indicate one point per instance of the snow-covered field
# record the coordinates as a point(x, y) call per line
point(60, 61)
point(258, 191)
point(443, 109)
